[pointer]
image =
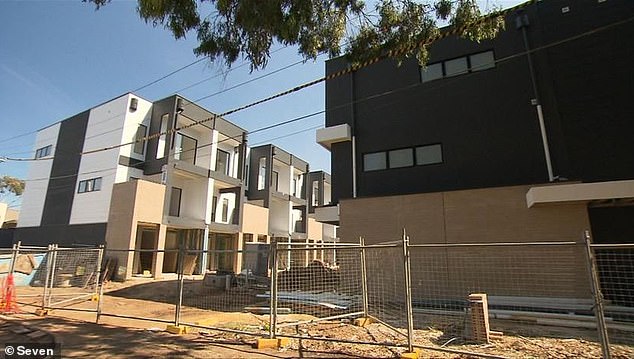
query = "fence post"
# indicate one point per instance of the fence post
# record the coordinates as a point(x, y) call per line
point(14, 256)
point(598, 297)
point(52, 281)
point(179, 303)
point(273, 291)
point(99, 285)
point(408, 292)
point(49, 263)
point(364, 278)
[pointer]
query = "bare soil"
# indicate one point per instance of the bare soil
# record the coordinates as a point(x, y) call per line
point(143, 298)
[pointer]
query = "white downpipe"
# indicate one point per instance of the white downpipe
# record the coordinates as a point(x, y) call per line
point(354, 167)
point(542, 128)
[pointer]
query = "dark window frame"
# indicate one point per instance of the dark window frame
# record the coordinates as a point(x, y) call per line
point(373, 153)
point(137, 143)
point(89, 185)
point(227, 168)
point(469, 66)
point(442, 157)
point(412, 152)
point(414, 157)
point(43, 151)
point(182, 151)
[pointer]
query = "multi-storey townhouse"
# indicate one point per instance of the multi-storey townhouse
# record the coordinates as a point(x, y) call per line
point(166, 175)
point(523, 138)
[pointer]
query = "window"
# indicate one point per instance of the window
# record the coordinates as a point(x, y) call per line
point(160, 149)
point(274, 180)
point(427, 155)
point(476, 62)
point(456, 67)
point(247, 237)
point(401, 158)
point(431, 72)
point(225, 209)
point(222, 161)
point(262, 174)
point(374, 161)
point(186, 148)
point(139, 144)
point(315, 193)
point(43, 152)
point(214, 203)
point(482, 61)
point(89, 185)
point(175, 202)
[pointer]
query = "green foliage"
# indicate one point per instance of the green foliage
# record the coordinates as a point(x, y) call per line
point(248, 28)
point(11, 185)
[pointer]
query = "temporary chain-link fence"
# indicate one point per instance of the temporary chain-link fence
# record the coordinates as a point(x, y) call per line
point(615, 272)
point(133, 288)
point(308, 290)
point(441, 297)
point(46, 278)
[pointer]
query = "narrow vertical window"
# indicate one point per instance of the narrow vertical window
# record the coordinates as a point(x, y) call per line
point(160, 149)
point(225, 209)
point(262, 174)
point(175, 202)
point(222, 162)
point(139, 144)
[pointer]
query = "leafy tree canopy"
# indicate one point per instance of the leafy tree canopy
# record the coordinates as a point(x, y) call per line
point(248, 28)
point(12, 185)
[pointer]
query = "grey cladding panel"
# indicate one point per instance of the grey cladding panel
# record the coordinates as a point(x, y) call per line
point(61, 186)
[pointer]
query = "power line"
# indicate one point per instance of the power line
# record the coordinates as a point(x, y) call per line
point(170, 74)
point(275, 125)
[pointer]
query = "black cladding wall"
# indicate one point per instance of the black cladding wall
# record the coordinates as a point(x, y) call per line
point(484, 120)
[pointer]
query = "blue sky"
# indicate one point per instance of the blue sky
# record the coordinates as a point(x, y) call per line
point(58, 58)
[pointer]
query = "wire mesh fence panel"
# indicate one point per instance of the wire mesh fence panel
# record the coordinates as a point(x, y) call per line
point(231, 292)
point(74, 278)
point(311, 290)
point(135, 286)
point(615, 267)
point(530, 290)
point(386, 286)
point(30, 271)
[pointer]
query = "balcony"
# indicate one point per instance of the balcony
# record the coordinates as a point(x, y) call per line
point(329, 135)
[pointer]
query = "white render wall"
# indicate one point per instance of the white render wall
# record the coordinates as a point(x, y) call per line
point(37, 179)
point(109, 124)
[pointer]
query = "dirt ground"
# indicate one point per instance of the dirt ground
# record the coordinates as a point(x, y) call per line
point(122, 337)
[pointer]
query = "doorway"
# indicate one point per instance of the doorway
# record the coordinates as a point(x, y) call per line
point(147, 238)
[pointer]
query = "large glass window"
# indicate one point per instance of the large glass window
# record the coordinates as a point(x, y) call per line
point(139, 145)
point(175, 202)
point(456, 67)
point(431, 72)
point(374, 161)
point(222, 161)
point(482, 61)
point(427, 155)
point(160, 149)
point(186, 148)
point(401, 158)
